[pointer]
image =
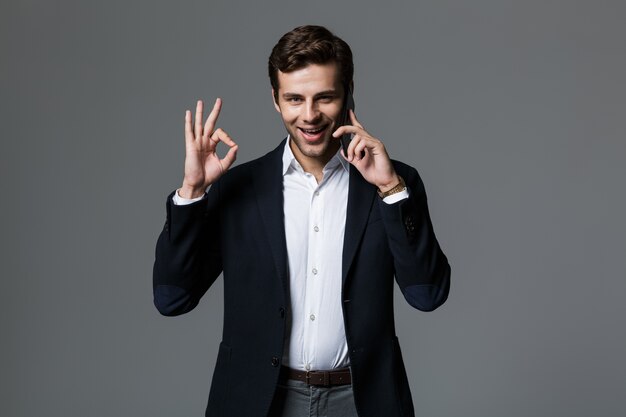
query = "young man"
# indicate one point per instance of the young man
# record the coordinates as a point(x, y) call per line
point(309, 241)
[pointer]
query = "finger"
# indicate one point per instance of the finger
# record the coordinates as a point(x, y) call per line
point(354, 120)
point(361, 147)
point(210, 121)
point(188, 132)
point(353, 143)
point(229, 158)
point(220, 136)
point(359, 150)
point(361, 158)
point(198, 124)
point(342, 130)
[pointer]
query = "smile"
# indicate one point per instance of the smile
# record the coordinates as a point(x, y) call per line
point(312, 131)
point(313, 135)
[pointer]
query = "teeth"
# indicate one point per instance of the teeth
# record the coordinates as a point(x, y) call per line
point(312, 130)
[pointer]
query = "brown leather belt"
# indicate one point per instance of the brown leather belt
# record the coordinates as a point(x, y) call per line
point(319, 378)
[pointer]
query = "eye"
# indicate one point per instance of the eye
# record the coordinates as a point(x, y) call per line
point(326, 99)
point(294, 99)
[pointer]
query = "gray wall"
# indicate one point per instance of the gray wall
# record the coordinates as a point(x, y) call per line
point(513, 112)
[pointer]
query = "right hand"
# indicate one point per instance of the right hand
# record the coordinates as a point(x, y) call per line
point(202, 164)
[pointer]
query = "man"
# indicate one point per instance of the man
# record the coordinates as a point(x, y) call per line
point(309, 240)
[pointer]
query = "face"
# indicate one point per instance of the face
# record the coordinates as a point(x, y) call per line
point(310, 102)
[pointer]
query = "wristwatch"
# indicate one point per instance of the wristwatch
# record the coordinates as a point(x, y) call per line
point(401, 186)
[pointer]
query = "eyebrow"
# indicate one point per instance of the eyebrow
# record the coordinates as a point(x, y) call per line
point(321, 93)
point(327, 93)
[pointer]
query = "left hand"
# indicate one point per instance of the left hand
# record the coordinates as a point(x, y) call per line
point(368, 155)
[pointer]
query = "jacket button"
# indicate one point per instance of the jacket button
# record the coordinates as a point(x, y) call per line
point(408, 223)
point(275, 361)
point(282, 312)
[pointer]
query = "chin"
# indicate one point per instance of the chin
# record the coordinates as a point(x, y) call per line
point(312, 150)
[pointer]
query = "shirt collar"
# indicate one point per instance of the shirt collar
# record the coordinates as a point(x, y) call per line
point(290, 161)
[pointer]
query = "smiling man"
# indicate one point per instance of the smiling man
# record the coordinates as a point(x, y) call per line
point(309, 241)
point(310, 101)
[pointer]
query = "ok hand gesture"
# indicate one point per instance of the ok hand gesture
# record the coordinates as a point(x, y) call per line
point(202, 164)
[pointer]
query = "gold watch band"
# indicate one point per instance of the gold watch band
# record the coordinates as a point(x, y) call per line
point(401, 186)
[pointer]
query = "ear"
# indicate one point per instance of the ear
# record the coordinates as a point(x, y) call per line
point(274, 101)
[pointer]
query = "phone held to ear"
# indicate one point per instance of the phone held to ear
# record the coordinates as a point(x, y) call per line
point(348, 105)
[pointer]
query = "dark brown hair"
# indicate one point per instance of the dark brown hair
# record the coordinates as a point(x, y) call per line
point(306, 45)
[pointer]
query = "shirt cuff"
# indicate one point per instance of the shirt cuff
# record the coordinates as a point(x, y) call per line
point(394, 198)
point(180, 201)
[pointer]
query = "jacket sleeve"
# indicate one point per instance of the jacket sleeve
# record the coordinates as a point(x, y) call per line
point(188, 257)
point(421, 268)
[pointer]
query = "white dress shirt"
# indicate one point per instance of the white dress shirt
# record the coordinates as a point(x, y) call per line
point(315, 218)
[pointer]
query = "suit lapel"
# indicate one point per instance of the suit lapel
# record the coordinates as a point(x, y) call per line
point(360, 198)
point(268, 186)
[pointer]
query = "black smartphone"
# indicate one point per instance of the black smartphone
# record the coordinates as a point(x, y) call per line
point(348, 104)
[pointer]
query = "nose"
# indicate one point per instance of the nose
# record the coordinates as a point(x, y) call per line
point(311, 112)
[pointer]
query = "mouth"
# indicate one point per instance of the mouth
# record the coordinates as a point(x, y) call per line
point(313, 134)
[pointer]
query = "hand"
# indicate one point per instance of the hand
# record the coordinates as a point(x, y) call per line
point(202, 164)
point(368, 155)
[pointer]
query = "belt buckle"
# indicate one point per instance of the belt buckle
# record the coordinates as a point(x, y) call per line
point(325, 382)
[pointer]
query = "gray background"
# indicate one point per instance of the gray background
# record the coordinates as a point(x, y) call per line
point(513, 112)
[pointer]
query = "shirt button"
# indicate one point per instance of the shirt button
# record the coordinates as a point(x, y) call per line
point(317, 193)
point(314, 271)
point(312, 317)
point(307, 367)
point(317, 229)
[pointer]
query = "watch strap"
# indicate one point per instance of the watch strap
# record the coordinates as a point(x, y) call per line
point(401, 186)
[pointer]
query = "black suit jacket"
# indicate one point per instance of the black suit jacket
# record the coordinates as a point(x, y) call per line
point(238, 229)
